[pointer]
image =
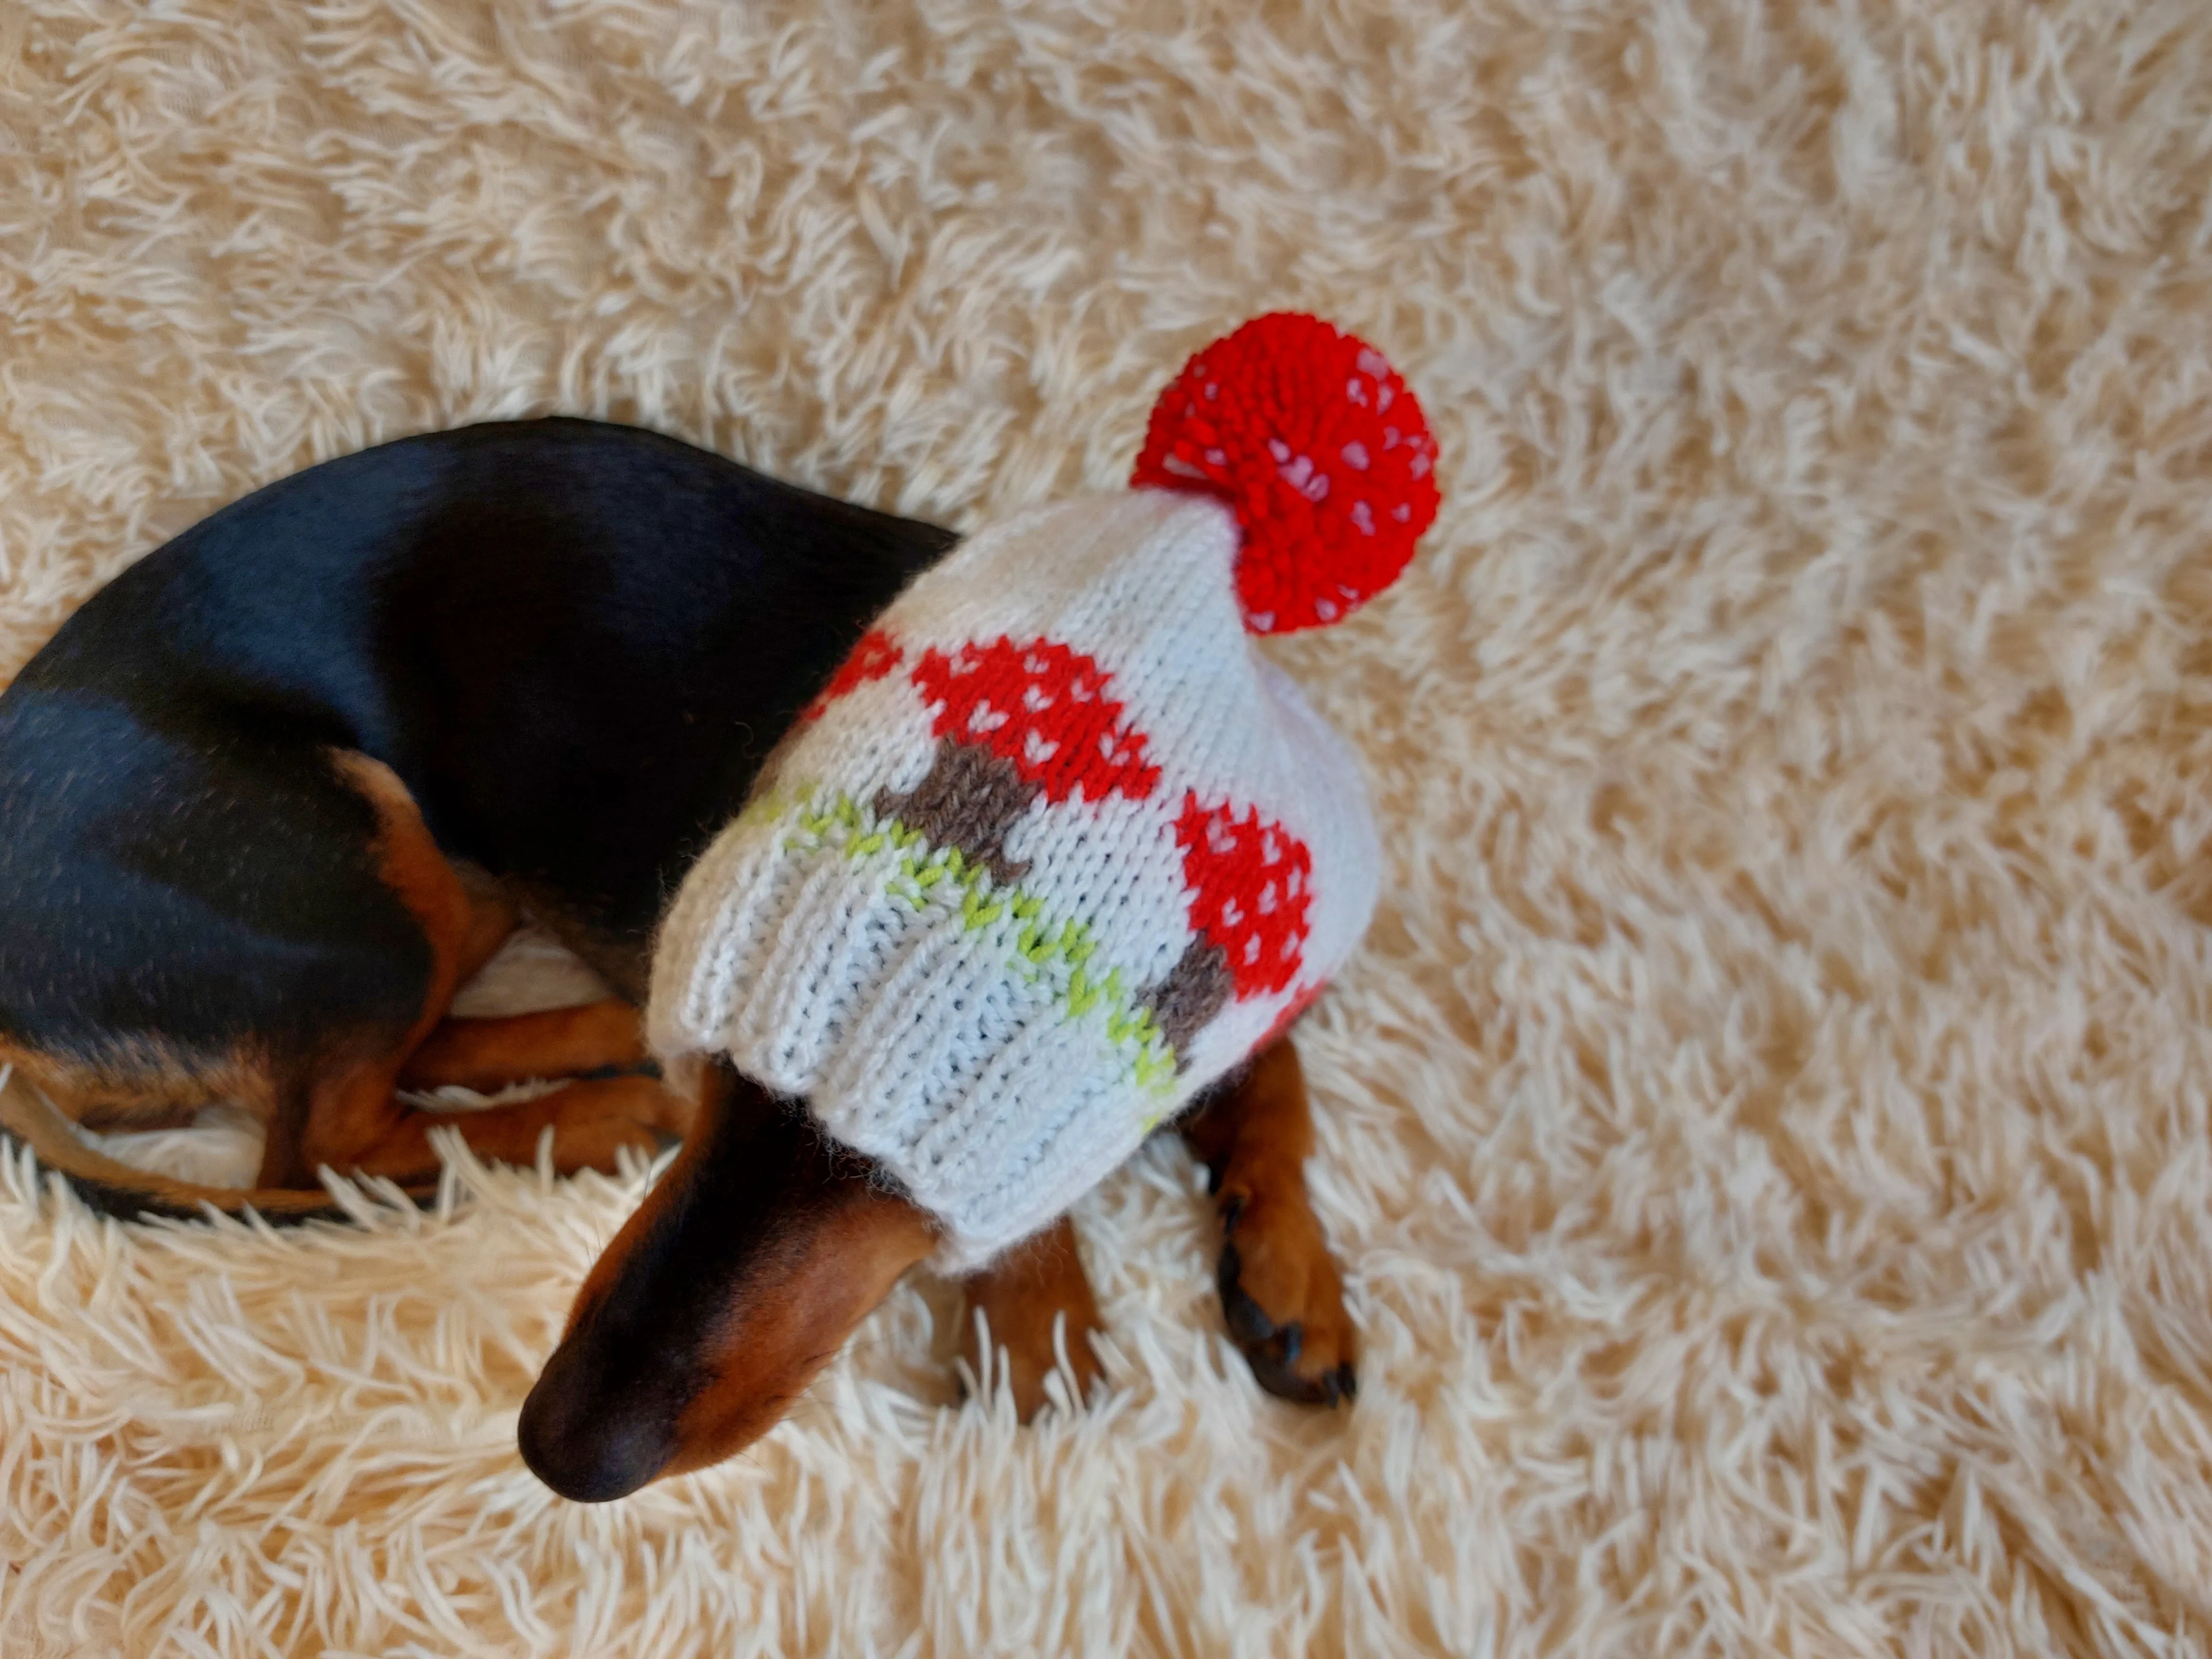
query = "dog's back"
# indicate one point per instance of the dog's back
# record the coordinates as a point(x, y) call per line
point(571, 644)
point(518, 619)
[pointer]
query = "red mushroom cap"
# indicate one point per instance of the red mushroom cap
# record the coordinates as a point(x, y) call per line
point(1249, 881)
point(1043, 708)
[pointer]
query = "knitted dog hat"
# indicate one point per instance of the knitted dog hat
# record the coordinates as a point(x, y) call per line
point(1056, 847)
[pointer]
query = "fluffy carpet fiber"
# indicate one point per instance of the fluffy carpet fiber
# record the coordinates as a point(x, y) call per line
point(1767, 1130)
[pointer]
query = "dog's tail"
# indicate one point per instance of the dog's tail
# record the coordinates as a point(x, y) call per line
point(112, 1186)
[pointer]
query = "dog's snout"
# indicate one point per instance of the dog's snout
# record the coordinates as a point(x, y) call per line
point(580, 1442)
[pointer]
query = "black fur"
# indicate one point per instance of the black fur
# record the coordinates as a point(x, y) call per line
point(514, 617)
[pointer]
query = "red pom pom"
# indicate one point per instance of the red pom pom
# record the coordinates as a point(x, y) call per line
point(1312, 437)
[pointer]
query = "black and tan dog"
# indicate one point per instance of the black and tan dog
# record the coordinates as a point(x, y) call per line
point(273, 795)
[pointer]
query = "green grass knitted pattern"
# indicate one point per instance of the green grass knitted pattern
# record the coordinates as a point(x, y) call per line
point(1055, 952)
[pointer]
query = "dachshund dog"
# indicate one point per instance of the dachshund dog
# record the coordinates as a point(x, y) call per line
point(272, 796)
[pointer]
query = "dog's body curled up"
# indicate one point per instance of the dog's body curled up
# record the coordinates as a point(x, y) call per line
point(271, 796)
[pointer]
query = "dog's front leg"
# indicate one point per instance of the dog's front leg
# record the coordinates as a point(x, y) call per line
point(1280, 1290)
point(1032, 1306)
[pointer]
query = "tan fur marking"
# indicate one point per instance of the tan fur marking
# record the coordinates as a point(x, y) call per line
point(1256, 1136)
point(146, 1083)
point(832, 1277)
point(38, 1102)
point(355, 1122)
point(592, 1121)
point(1021, 1297)
point(491, 1054)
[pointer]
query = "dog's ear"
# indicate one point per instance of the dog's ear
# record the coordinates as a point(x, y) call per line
point(743, 1271)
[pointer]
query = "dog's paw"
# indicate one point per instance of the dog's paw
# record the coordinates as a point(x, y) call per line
point(593, 1121)
point(669, 1113)
point(1024, 1356)
point(1037, 1305)
point(1283, 1298)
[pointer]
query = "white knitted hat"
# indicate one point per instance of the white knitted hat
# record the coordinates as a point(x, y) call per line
point(1056, 847)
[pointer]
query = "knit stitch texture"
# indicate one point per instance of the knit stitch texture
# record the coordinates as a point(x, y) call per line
point(1056, 850)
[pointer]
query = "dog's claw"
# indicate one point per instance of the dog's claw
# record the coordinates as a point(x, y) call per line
point(1247, 1320)
point(1306, 1355)
point(1274, 1349)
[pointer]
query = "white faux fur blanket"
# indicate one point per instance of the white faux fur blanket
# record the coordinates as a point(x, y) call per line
point(1767, 1130)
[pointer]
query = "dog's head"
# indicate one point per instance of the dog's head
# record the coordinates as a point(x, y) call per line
point(745, 1270)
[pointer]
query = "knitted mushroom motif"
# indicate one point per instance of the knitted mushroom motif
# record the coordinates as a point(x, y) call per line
point(872, 659)
point(1014, 722)
point(1310, 435)
point(1248, 882)
point(1314, 441)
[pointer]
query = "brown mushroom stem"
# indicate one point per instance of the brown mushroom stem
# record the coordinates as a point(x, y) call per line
point(1191, 994)
point(970, 799)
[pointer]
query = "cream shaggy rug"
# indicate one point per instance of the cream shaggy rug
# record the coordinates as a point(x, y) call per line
point(1767, 1129)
